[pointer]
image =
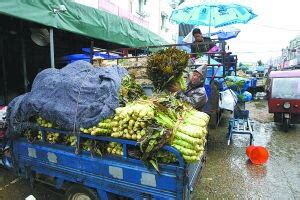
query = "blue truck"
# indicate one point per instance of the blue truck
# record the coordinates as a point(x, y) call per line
point(84, 175)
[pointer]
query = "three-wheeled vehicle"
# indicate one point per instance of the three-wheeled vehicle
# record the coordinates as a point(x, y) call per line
point(284, 97)
point(83, 174)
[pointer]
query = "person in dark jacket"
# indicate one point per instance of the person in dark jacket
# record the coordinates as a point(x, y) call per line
point(195, 93)
point(201, 44)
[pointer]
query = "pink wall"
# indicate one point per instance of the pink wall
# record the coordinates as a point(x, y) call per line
point(116, 10)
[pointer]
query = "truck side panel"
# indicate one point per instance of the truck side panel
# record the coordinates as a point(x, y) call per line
point(111, 174)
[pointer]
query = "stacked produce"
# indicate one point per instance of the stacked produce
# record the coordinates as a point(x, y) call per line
point(95, 147)
point(130, 91)
point(152, 142)
point(44, 123)
point(51, 137)
point(161, 120)
point(102, 128)
point(115, 148)
point(190, 135)
point(240, 86)
point(32, 136)
point(131, 121)
point(234, 82)
point(166, 67)
point(153, 123)
point(165, 157)
point(70, 140)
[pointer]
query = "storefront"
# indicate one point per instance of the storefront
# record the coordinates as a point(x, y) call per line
point(35, 34)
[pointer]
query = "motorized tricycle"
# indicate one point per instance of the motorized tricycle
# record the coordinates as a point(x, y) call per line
point(283, 93)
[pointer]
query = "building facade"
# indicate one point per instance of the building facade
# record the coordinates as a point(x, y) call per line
point(151, 14)
point(290, 56)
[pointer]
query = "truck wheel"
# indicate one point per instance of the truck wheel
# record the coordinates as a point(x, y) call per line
point(77, 192)
point(286, 124)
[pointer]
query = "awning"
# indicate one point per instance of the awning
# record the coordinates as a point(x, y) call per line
point(81, 20)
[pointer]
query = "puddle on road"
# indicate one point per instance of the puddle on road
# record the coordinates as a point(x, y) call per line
point(229, 174)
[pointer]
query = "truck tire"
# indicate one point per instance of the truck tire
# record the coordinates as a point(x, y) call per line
point(286, 124)
point(77, 192)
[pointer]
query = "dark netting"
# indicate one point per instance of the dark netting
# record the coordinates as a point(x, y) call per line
point(78, 95)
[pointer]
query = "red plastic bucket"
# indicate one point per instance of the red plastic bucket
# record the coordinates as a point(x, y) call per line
point(257, 154)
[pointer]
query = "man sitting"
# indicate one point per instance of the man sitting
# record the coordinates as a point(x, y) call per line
point(195, 93)
point(201, 44)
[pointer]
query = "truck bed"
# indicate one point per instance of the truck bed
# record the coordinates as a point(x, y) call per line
point(121, 175)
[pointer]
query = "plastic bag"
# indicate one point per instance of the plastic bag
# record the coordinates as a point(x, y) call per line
point(245, 96)
point(228, 100)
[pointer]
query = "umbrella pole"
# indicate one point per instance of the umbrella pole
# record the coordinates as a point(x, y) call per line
point(92, 51)
point(24, 64)
point(4, 75)
point(209, 22)
point(23, 52)
point(52, 48)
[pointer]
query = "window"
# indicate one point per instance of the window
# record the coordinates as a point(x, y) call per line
point(141, 6)
point(164, 18)
point(280, 85)
point(130, 6)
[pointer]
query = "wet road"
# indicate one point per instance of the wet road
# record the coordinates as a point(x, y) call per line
point(14, 188)
point(227, 174)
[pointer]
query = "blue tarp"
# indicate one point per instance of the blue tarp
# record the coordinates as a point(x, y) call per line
point(78, 95)
point(86, 56)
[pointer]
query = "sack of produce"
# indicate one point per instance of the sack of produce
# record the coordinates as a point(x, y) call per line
point(245, 96)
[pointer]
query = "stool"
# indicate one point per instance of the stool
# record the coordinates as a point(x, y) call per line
point(242, 126)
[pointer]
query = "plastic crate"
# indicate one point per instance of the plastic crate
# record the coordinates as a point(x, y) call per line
point(218, 71)
point(207, 89)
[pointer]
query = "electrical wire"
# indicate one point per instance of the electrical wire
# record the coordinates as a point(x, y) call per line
point(278, 28)
point(239, 52)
